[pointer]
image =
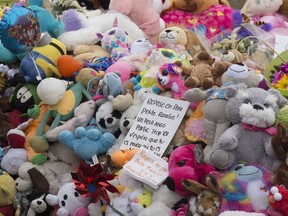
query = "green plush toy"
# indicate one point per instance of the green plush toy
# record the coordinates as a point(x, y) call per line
point(61, 104)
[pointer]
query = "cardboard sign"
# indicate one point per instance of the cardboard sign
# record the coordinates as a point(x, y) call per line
point(147, 168)
point(155, 124)
point(281, 44)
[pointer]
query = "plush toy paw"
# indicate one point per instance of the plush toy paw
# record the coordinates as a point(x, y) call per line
point(122, 102)
point(221, 159)
point(280, 142)
point(207, 83)
point(229, 143)
point(156, 90)
point(39, 144)
point(87, 143)
point(191, 82)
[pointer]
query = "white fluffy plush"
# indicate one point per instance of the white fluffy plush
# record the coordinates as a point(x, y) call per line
point(99, 24)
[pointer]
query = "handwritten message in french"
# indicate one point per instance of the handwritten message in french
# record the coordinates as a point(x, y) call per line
point(147, 168)
point(155, 124)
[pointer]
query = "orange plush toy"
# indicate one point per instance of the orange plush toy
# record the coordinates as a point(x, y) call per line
point(210, 17)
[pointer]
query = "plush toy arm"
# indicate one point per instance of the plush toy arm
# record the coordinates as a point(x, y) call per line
point(62, 212)
point(196, 95)
point(229, 139)
point(122, 6)
point(268, 147)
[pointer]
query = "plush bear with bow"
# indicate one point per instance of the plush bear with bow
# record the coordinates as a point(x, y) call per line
point(253, 112)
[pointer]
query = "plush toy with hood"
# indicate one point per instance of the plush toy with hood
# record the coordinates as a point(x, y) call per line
point(70, 201)
point(210, 17)
point(169, 77)
point(46, 20)
point(82, 116)
point(215, 120)
point(186, 162)
point(87, 143)
point(252, 113)
point(175, 38)
point(149, 21)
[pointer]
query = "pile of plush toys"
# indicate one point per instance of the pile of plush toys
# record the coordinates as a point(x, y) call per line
point(74, 75)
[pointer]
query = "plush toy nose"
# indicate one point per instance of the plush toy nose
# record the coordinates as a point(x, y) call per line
point(126, 123)
point(257, 107)
point(109, 120)
point(170, 183)
point(136, 200)
point(39, 202)
point(168, 30)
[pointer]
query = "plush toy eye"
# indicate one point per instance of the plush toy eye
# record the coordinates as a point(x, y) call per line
point(238, 167)
point(144, 206)
point(76, 194)
point(266, 105)
point(165, 72)
point(278, 197)
point(111, 32)
point(274, 190)
point(247, 101)
point(181, 163)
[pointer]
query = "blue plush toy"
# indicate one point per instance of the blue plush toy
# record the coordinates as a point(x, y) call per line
point(46, 20)
point(87, 143)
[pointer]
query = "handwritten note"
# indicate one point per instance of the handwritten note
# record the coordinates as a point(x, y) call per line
point(147, 168)
point(281, 44)
point(155, 124)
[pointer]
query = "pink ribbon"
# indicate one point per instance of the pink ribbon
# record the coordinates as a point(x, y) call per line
point(269, 130)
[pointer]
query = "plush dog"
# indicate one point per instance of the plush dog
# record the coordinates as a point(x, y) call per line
point(185, 162)
point(253, 112)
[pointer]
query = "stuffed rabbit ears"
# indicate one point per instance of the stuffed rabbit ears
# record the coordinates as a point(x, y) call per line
point(197, 188)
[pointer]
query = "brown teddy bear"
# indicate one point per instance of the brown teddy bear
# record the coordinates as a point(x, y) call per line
point(280, 147)
point(202, 73)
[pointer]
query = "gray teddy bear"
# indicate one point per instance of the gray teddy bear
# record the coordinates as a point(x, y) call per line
point(216, 122)
point(252, 112)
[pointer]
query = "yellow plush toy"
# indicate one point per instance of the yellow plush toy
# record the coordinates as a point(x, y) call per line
point(7, 194)
point(5, 5)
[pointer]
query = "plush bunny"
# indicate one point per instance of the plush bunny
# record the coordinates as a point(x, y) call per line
point(208, 199)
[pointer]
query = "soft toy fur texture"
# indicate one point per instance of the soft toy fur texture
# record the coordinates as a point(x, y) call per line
point(242, 187)
point(252, 111)
point(98, 24)
point(215, 120)
point(149, 21)
point(82, 115)
point(185, 162)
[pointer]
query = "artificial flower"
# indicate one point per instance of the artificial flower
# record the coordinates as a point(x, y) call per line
point(282, 84)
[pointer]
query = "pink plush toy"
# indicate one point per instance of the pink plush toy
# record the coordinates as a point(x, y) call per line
point(183, 164)
point(210, 22)
point(141, 12)
point(169, 77)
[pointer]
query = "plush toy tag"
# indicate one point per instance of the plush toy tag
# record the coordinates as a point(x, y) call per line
point(155, 124)
point(147, 168)
point(95, 160)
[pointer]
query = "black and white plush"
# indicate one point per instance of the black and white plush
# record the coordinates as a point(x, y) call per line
point(40, 207)
point(107, 119)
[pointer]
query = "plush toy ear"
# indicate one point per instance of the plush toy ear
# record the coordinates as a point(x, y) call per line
point(193, 186)
point(39, 181)
point(115, 23)
point(212, 183)
point(4, 190)
point(281, 100)
point(52, 200)
point(231, 92)
point(99, 36)
point(224, 2)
